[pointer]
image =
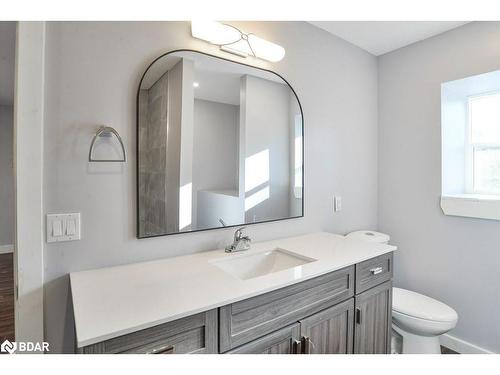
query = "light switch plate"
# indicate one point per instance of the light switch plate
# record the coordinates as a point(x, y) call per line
point(63, 227)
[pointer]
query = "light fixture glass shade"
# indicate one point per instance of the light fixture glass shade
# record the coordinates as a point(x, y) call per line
point(214, 32)
point(241, 48)
point(266, 50)
point(232, 40)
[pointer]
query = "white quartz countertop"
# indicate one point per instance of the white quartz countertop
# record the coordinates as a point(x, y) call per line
point(114, 301)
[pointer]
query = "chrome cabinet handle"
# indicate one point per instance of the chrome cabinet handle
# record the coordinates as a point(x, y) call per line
point(376, 270)
point(358, 315)
point(297, 347)
point(166, 350)
point(307, 348)
point(308, 344)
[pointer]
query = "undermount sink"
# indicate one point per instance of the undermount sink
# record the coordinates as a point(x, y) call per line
point(260, 264)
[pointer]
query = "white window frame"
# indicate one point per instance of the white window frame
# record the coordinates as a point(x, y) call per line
point(458, 197)
point(470, 147)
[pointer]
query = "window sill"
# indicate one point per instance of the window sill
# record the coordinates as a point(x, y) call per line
point(472, 205)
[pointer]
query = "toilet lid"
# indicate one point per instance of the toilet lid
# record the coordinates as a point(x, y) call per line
point(420, 306)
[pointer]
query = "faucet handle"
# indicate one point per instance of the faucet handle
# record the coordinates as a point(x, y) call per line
point(238, 233)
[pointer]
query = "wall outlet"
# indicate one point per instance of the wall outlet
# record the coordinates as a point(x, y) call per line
point(337, 204)
point(63, 227)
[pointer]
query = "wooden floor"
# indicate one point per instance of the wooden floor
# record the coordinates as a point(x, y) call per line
point(6, 297)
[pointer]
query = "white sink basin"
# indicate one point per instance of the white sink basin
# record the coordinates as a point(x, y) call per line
point(260, 264)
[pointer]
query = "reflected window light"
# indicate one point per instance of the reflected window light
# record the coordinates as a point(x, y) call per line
point(256, 198)
point(298, 157)
point(256, 170)
point(298, 162)
point(297, 272)
point(185, 195)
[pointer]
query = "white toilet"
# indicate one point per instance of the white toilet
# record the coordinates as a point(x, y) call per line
point(419, 319)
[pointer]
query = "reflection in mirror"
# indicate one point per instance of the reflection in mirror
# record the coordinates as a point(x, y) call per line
point(219, 144)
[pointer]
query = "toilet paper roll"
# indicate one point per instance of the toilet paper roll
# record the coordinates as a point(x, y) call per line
point(370, 236)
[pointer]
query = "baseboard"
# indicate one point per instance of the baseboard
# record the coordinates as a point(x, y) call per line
point(461, 346)
point(6, 249)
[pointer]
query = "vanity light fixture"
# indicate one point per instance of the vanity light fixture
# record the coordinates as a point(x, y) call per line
point(233, 40)
point(196, 84)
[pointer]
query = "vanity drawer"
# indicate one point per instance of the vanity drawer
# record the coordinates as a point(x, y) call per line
point(373, 272)
point(193, 334)
point(247, 320)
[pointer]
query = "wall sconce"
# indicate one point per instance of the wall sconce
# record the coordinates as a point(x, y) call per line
point(233, 40)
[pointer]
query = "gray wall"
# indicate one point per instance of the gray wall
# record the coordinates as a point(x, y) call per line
point(215, 158)
point(7, 57)
point(6, 176)
point(215, 151)
point(454, 259)
point(266, 116)
point(93, 71)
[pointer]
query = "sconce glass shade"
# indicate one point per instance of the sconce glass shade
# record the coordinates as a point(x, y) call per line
point(215, 32)
point(266, 50)
point(233, 40)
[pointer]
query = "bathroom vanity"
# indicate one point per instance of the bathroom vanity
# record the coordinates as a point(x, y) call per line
point(317, 293)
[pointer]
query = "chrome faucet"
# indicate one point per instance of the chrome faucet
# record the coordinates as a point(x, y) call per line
point(240, 242)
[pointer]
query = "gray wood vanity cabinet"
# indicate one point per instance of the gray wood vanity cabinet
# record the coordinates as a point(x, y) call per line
point(373, 315)
point(193, 334)
point(345, 311)
point(247, 320)
point(373, 320)
point(283, 341)
point(329, 331)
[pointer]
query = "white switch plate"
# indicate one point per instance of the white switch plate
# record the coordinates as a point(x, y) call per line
point(63, 227)
point(337, 204)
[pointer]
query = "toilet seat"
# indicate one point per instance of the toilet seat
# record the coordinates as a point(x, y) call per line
point(420, 320)
point(421, 327)
point(410, 304)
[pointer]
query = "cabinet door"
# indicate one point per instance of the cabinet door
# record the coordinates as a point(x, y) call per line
point(372, 328)
point(284, 341)
point(330, 331)
point(244, 321)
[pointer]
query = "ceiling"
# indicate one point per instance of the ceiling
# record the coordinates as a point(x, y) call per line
point(7, 55)
point(379, 37)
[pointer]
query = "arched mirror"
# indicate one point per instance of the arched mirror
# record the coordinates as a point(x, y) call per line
point(219, 143)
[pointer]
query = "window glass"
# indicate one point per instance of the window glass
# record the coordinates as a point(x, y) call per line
point(484, 112)
point(487, 170)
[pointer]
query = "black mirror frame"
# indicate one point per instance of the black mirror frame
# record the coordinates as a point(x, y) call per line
point(137, 148)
